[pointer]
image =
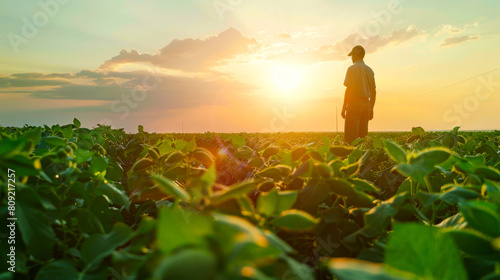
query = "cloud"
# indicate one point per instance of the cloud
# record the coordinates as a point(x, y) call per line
point(285, 36)
point(448, 29)
point(371, 44)
point(90, 74)
point(453, 41)
point(165, 92)
point(30, 80)
point(339, 50)
point(104, 81)
point(191, 55)
point(36, 75)
point(475, 24)
point(83, 92)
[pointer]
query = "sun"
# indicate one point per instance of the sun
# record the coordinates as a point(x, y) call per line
point(286, 77)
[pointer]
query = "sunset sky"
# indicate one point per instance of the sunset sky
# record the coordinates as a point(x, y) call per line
point(247, 65)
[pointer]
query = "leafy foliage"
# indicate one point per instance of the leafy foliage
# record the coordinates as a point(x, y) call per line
point(101, 203)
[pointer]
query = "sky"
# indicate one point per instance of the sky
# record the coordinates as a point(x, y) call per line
point(247, 66)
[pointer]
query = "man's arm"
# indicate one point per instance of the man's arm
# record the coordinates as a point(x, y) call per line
point(373, 97)
point(346, 102)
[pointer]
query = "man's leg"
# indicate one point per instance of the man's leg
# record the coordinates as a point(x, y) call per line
point(352, 121)
point(364, 118)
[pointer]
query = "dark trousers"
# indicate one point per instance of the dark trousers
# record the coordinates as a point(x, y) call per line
point(356, 120)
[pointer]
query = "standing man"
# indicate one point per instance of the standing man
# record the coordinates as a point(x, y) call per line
point(359, 96)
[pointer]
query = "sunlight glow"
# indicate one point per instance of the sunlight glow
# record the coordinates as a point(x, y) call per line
point(286, 77)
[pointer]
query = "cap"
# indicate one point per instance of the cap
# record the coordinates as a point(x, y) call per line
point(357, 50)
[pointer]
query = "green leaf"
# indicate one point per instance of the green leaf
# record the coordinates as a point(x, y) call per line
point(418, 131)
point(456, 222)
point(298, 153)
point(482, 216)
point(82, 155)
point(341, 187)
point(117, 196)
point(488, 173)
point(23, 165)
point(33, 223)
point(88, 222)
point(77, 123)
point(68, 132)
point(474, 243)
point(99, 246)
point(9, 147)
point(427, 199)
point(378, 219)
point(377, 143)
point(204, 156)
point(341, 151)
point(179, 227)
point(171, 188)
point(395, 152)
point(100, 208)
point(246, 205)
point(274, 202)
point(312, 195)
point(62, 269)
point(452, 196)
point(114, 172)
point(209, 176)
point(417, 170)
point(191, 145)
point(34, 135)
point(200, 187)
point(346, 268)
point(141, 165)
point(272, 172)
point(305, 170)
point(85, 141)
point(235, 230)
point(190, 263)
point(98, 165)
point(361, 199)
point(418, 249)
point(327, 142)
point(457, 194)
point(234, 191)
point(54, 141)
point(364, 185)
point(238, 141)
point(270, 151)
point(435, 155)
point(148, 224)
point(242, 253)
point(102, 272)
point(357, 141)
point(351, 169)
point(300, 270)
point(492, 191)
point(244, 153)
point(294, 220)
point(165, 147)
point(276, 242)
point(476, 160)
point(256, 162)
point(286, 158)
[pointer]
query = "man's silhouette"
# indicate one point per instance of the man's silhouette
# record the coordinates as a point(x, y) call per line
point(359, 96)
